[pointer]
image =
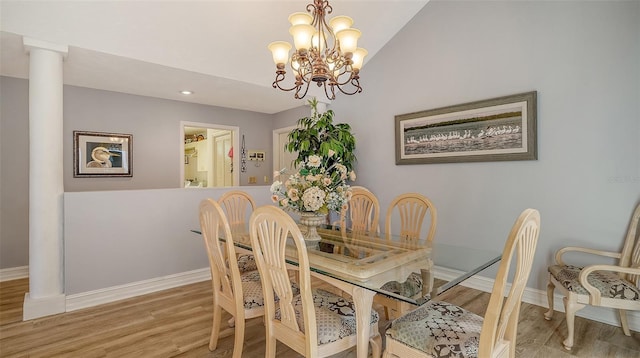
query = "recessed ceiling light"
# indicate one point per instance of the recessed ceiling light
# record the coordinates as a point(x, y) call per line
point(186, 93)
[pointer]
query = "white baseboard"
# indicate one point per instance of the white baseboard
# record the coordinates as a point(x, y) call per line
point(14, 273)
point(116, 293)
point(532, 296)
point(539, 298)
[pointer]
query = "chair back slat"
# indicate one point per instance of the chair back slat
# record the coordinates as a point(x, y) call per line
point(363, 211)
point(412, 209)
point(412, 215)
point(238, 206)
point(501, 319)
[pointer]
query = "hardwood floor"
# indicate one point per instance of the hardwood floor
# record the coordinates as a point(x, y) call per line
point(177, 323)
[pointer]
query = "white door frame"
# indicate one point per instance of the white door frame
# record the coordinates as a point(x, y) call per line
point(276, 150)
point(235, 143)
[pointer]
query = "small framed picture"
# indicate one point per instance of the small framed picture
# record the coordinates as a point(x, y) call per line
point(97, 154)
point(256, 155)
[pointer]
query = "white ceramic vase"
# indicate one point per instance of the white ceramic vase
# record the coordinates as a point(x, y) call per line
point(312, 220)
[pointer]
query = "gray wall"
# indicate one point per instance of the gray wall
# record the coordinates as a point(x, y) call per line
point(583, 58)
point(14, 172)
point(139, 235)
point(154, 124)
point(290, 117)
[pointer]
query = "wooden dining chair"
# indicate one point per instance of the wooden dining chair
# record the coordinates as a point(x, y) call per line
point(615, 286)
point(439, 329)
point(411, 210)
point(239, 294)
point(238, 206)
point(315, 322)
point(362, 212)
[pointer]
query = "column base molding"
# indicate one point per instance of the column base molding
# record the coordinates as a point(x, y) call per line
point(41, 307)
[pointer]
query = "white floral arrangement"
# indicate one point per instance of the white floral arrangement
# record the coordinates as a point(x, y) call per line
point(314, 188)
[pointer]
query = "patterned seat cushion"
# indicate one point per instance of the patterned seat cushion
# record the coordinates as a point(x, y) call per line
point(247, 263)
point(439, 329)
point(335, 316)
point(252, 289)
point(411, 287)
point(608, 283)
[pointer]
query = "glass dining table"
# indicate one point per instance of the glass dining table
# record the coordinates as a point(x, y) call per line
point(366, 264)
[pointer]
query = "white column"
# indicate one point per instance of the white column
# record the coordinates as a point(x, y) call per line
point(322, 107)
point(46, 187)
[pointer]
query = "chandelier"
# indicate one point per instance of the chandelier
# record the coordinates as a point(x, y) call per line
point(325, 53)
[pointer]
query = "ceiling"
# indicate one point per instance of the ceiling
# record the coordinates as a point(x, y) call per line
point(217, 49)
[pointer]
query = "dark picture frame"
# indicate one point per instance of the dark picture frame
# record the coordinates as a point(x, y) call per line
point(496, 129)
point(98, 154)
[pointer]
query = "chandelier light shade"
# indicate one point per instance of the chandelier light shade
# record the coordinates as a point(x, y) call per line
point(324, 53)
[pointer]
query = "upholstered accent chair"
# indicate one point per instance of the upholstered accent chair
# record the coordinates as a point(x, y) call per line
point(616, 286)
point(441, 329)
point(240, 294)
point(315, 322)
point(410, 209)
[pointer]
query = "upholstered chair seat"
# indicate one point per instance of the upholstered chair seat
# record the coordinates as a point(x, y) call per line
point(439, 329)
point(409, 288)
point(247, 263)
point(252, 290)
point(335, 316)
point(610, 284)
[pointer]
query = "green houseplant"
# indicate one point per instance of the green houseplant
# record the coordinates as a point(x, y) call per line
point(318, 135)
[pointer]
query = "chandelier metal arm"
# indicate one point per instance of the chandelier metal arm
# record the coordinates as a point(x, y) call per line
point(355, 83)
point(306, 89)
point(298, 85)
point(279, 78)
point(331, 96)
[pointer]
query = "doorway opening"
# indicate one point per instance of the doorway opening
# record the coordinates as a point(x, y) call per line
point(282, 158)
point(207, 157)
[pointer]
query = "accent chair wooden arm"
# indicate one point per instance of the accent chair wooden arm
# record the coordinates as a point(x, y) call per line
point(564, 250)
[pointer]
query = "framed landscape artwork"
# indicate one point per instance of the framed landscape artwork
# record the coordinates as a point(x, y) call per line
point(97, 154)
point(495, 129)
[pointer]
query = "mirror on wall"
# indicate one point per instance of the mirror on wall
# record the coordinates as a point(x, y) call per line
point(208, 159)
